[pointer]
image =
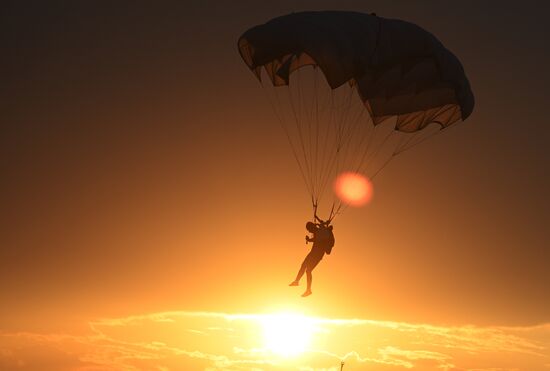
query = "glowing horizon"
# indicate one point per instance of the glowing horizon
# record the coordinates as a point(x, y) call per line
point(176, 339)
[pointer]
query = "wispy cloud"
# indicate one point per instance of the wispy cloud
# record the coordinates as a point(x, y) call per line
point(212, 341)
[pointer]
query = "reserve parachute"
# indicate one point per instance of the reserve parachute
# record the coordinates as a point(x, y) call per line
point(353, 90)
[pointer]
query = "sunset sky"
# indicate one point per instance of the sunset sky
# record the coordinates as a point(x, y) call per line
point(152, 214)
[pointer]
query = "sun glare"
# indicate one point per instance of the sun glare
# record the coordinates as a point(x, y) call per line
point(287, 334)
point(353, 189)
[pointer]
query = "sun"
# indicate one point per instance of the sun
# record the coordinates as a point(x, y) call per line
point(287, 334)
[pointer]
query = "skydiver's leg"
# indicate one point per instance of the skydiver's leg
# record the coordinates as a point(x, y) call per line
point(309, 280)
point(301, 272)
point(312, 263)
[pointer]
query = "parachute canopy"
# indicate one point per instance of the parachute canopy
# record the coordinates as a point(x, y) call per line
point(385, 81)
point(399, 68)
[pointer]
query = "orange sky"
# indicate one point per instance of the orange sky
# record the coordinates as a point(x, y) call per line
point(142, 171)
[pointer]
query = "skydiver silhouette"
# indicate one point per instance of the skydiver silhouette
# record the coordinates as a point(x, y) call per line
point(323, 240)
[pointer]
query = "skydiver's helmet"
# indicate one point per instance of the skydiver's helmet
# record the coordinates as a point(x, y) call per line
point(311, 227)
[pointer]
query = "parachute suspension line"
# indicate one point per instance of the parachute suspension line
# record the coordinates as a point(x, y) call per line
point(301, 138)
point(332, 214)
point(351, 134)
point(347, 128)
point(404, 143)
point(343, 207)
point(302, 131)
point(342, 110)
point(386, 162)
point(395, 154)
point(330, 170)
point(307, 115)
point(309, 118)
point(344, 114)
point(367, 156)
point(300, 119)
point(322, 130)
point(314, 207)
point(377, 151)
point(339, 140)
point(331, 150)
point(338, 122)
point(329, 154)
point(408, 144)
point(316, 108)
point(316, 129)
point(340, 209)
point(352, 145)
point(285, 129)
point(369, 133)
point(325, 163)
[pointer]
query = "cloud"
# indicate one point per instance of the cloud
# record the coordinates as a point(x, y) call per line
point(213, 341)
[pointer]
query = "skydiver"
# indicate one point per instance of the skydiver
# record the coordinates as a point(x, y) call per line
point(323, 241)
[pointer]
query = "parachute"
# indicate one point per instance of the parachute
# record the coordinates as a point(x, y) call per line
point(353, 90)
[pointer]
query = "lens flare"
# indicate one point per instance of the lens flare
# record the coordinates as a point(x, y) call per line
point(353, 189)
